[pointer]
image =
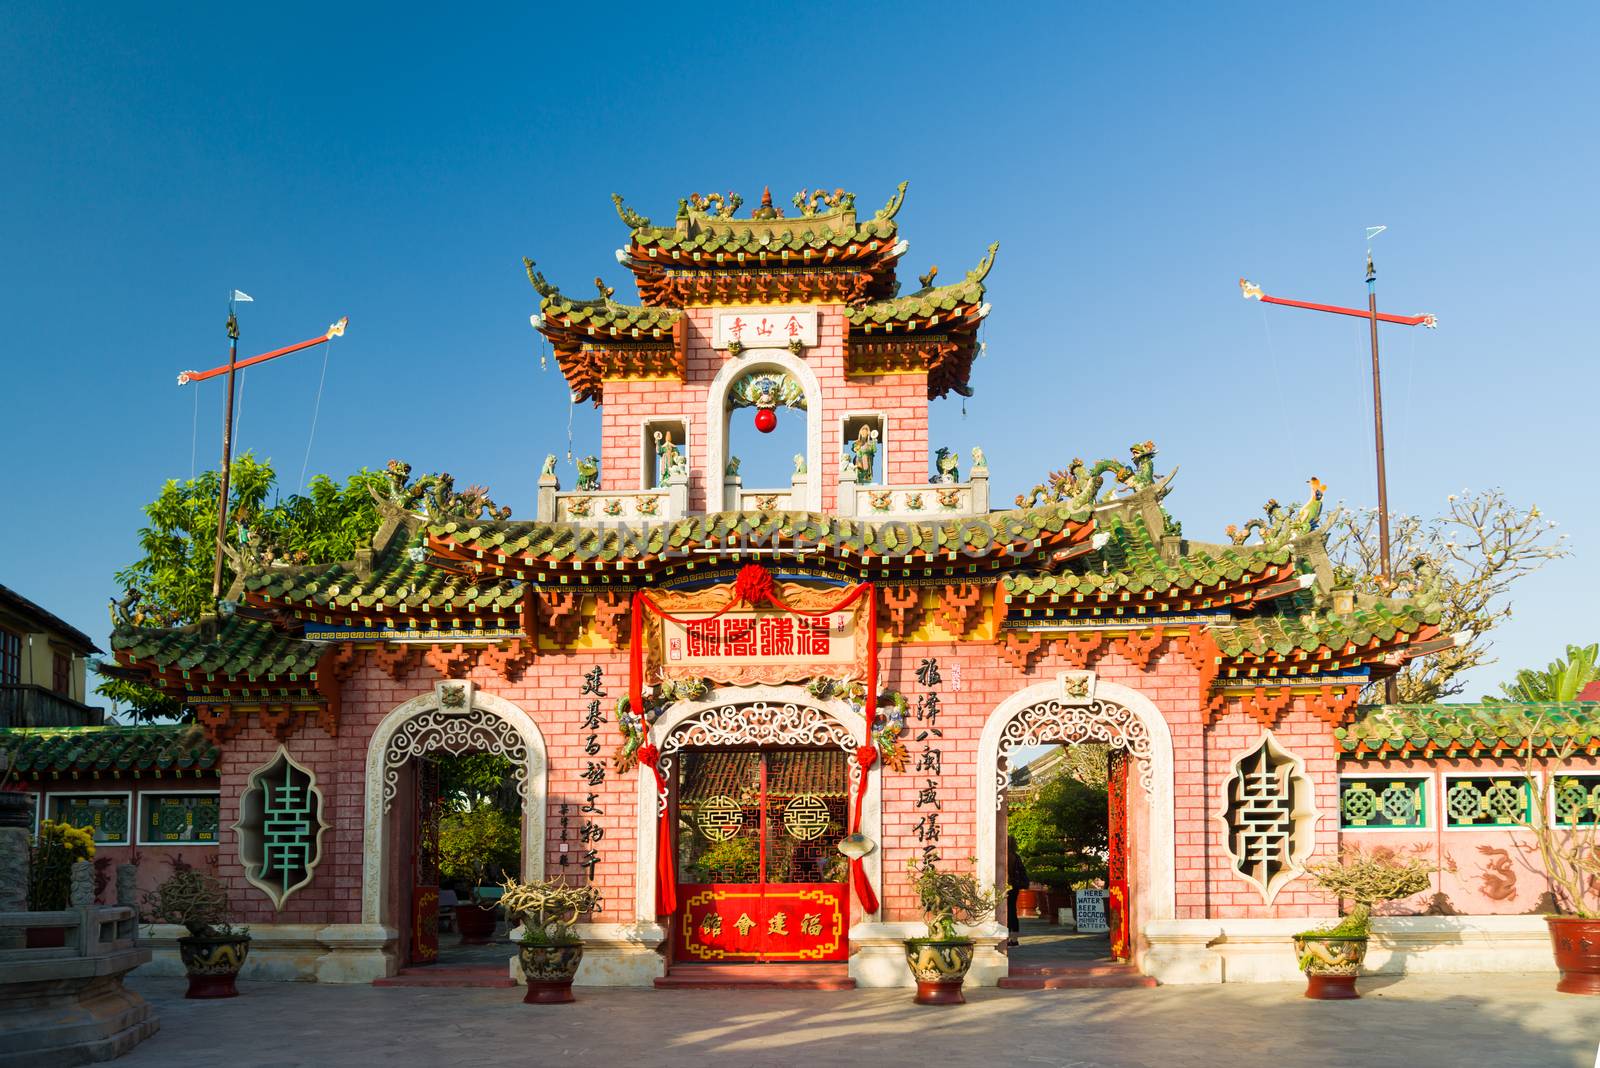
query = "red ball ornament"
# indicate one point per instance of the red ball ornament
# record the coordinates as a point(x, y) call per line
point(766, 420)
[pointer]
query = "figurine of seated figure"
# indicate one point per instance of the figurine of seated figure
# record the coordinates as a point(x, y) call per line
point(864, 451)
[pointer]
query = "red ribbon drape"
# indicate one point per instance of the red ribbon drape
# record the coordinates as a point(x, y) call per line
point(752, 585)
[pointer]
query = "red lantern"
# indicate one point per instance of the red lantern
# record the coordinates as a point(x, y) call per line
point(766, 420)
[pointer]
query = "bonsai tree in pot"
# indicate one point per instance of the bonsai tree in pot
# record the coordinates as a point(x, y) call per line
point(1331, 957)
point(214, 950)
point(940, 961)
point(472, 847)
point(550, 950)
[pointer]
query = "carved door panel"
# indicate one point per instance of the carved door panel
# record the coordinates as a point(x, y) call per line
point(758, 833)
point(425, 865)
point(1117, 880)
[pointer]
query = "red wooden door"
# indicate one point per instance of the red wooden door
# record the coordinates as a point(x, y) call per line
point(425, 866)
point(762, 877)
point(1117, 855)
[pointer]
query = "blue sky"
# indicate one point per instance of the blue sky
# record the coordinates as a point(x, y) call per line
point(394, 166)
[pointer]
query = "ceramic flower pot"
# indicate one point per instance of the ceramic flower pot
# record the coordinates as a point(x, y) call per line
point(475, 924)
point(213, 962)
point(549, 971)
point(1576, 942)
point(1331, 964)
point(939, 968)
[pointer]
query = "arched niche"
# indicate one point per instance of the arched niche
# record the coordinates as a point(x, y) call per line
point(718, 411)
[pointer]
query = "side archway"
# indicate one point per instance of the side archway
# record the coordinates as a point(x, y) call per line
point(717, 420)
point(455, 718)
point(754, 715)
point(1120, 717)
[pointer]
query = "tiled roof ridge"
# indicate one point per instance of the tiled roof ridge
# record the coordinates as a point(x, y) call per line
point(1465, 726)
point(930, 300)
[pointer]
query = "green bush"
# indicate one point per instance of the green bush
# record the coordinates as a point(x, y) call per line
point(474, 845)
point(56, 849)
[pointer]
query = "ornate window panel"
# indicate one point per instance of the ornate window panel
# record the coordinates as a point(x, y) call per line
point(280, 827)
point(1268, 815)
point(1575, 800)
point(1486, 801)
point(1383, 802)
point(464, 728)
point(1051, 722)
point(760, 723)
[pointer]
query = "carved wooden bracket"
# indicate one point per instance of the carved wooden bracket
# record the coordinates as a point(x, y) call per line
point(336, 665)
point(1021, 647)
point(1205, 655)
point(397, 661)
point(611, 615)
point(1334, 709)
point(220, 722)
point(905, 608)
point(452, 661)
point(342, 660)
point(1266, 710)
point(1079, 647)
point(280, 720)
point(510, 660)
point(958, 607)
point(1140, 648)
point(562, 612)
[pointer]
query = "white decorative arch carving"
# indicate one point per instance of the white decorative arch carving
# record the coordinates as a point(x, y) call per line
point(1119, 716)
point(717, 421)
point(422, 725)
point(753, 715)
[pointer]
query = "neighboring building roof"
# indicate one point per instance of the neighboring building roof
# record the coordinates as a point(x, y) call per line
point(107, 752)
point(239, 647)
point(13, 601)
point(1469, 729)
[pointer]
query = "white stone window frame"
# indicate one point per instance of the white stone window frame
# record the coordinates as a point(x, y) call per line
point(885, 448)
point(44, 812)
point(1303, 818)
point(1432, 800)
point(647, 447)
point(1540, 788)
point(1549, 780)
point(252, 868)
point(139, 833)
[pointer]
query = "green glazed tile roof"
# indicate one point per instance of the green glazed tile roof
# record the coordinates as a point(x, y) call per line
point(1132, 561)
point(608, 318)
point(927, 303)
point(557, 542)
point(1294, 623)
point(108, 751)
point(1402, 729)
point(241, 647)
point(401, 581)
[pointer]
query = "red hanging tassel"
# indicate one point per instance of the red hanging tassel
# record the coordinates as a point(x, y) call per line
point(753, 585)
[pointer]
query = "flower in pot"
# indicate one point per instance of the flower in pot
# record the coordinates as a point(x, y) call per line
point(54, 850)
point(1331, 957)
point(940, 961)
point(472, 845)
point(214, 949)
point(550, 950)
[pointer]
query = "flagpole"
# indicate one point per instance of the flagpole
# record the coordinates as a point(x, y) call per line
point(227, 452)
point(1391, 691)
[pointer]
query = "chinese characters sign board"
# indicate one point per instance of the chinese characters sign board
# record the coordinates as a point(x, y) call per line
point(742, 921)
point(765, 328)
point(760, 646)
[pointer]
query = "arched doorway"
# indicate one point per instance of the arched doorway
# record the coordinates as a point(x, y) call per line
point(720, 403)
point(758, 720)
point(1075, 708)
point(454, 718)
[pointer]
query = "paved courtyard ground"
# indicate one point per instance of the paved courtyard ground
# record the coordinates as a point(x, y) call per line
point(1415, 1022)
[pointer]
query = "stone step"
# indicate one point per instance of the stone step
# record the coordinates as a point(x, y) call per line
point(757, 977)
point(447, 976)
point(1074, 976)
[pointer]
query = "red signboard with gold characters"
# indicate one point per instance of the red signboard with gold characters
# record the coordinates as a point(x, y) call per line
point(733, 922)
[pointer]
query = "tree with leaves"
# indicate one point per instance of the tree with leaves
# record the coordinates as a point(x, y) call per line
point(1467, 560)
point(1563, 680)
point(1062, 832)
point(169, 585)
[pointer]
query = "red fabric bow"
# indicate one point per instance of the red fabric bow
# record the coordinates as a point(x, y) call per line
point(753, 585)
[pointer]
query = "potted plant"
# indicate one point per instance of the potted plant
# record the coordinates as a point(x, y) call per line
point(472, 845)
point(214, 949)
point(1331, 957)
point(55, 849)
point(940, 961)
point(550, 950)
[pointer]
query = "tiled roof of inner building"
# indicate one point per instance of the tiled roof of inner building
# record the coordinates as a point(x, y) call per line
point(928, 302)
point(1132, 561)
point(1296, 623)
point(1398, 729)
point(241, 646)
point(37, 751)
point(400, 579)
point(558, 541)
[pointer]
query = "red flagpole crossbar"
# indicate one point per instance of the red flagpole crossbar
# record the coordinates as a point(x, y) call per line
point(1252, 291)
point(336, 330)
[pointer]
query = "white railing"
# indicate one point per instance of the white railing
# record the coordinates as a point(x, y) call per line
point(613, 506)
point(927, 501)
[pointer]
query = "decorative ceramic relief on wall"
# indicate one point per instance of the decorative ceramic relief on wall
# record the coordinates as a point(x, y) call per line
point(1268, 815)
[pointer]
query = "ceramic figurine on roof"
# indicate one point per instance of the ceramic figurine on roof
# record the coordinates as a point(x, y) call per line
point(744, 628)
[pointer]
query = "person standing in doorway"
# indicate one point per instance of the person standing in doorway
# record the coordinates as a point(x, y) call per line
point(1016, 882)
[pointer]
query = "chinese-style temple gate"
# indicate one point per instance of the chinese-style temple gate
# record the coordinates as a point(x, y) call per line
point(703, 686)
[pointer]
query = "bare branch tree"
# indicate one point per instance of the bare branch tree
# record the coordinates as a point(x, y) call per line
point(1467, 560)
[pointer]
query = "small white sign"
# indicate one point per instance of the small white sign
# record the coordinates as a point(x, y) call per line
point(1091, 912)
point(765, 328)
